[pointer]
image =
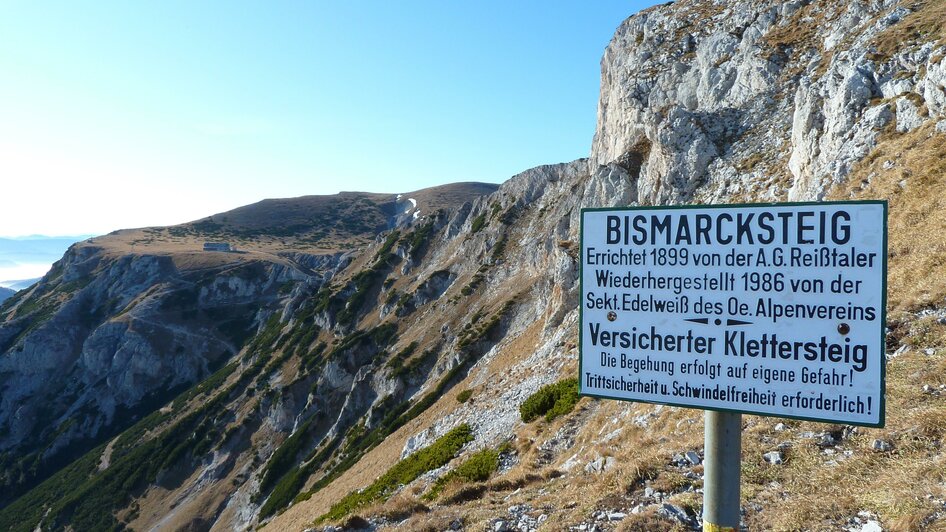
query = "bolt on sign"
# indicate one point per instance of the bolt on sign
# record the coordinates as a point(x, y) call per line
point(774, 309)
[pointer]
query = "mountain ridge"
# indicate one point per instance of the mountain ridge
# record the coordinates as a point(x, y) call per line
point(138, 294)
point(346, 365)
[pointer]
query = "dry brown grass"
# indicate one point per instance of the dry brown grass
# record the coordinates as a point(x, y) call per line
point(811, 491)
point(750, 162)
point(431, 522)
point(397, 508)
point(926, 332)
point(916, 191)
point(795, 34)
point(382, 457)
point(459, 492)
point(648, 520)
point(815, 490)
point(923, 25)
point(642, 457)
point(808, 492)
point(801, 32)
point(449, 196)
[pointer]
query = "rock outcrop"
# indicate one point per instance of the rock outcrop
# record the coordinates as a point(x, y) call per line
point(755, 89)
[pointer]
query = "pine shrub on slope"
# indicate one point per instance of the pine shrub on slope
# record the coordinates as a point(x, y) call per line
point(407, 470)
point(551, 401)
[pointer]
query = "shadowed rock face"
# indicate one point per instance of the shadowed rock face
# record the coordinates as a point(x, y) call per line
point(326, 355)
point(101, 341)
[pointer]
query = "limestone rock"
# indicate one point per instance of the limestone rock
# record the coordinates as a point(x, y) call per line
point(774, 457)
point(693, 458)
point(908, 116)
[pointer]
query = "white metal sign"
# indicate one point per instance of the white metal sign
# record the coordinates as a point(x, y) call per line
point(766, 309)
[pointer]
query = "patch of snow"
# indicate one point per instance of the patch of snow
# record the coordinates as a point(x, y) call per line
point(416, 214)
point(413, 204)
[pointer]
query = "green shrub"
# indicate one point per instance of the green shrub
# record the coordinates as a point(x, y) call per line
point(312, 358)
point(495, 208)
point(419, 237)
point(477, 330)
point(407, 470)
point(87, 498)
point(284, 491)
point(383, 253)
point(323, 299)
point(363, 282)
point(266, 337)
point(551, 401)
point(499, 248)
point(284, 459)
point(413, 366)
point(464, 396)
point(478, 223)
point(477, 468)
point(286, 287)
point(511, 214)
point(404, 300)
point(393, 296)
point(506, 448)
point(396, 362)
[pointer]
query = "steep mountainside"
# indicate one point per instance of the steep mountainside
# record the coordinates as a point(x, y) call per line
point(400, 385)
point(126, 322)
point(5, 293)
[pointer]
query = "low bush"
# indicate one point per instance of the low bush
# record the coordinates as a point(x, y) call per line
point(407, 470)
point(499, 248)
point(475, 281)
point(478, 223)
point(551, 401)
point(403, 366)
point(477, 330)
point(419, 237)
point(477, 468)
point(284, 459)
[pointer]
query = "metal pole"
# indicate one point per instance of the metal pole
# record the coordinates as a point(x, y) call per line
point(722, 453)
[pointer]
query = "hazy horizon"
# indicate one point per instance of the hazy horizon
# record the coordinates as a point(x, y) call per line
point(29, 257)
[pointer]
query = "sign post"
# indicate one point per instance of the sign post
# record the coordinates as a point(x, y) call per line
point(722, 448)
point(774, 309)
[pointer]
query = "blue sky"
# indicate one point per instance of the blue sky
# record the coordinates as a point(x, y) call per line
point(124, 114)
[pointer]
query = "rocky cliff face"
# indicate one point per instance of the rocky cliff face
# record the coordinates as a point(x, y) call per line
point(329, 369)
point(103, 340)
point(715, 99)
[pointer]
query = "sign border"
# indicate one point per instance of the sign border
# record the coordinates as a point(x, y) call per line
point(883, 311)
